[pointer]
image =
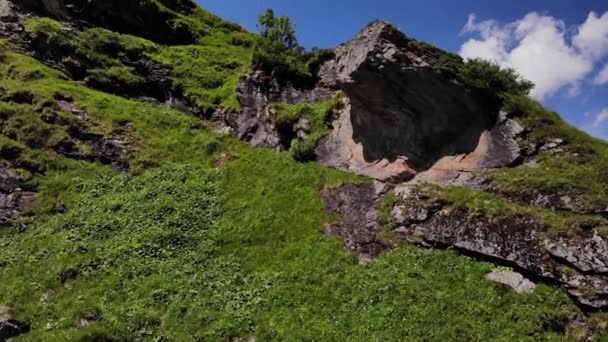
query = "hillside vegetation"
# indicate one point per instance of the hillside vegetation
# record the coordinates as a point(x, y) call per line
point(193, 236)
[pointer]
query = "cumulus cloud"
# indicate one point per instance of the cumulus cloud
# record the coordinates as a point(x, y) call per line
point(601, 117)
point(541, 49)
point(592, 36)
point(602, 77)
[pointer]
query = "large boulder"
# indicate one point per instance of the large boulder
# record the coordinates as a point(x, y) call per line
point(407, 114)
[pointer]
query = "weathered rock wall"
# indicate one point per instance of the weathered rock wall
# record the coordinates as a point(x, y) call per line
point(256, 92)
point(578, 263)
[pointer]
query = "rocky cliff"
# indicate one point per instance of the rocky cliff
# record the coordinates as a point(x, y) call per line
point(403, 113)
point(157, 183)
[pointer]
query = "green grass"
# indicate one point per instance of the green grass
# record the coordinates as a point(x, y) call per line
point(318, 115)
point(187, 252)
point(556, 222)
point(189, 248)
point(581, 173)
point(386, 220)
point(207, 72)
point(97, 50)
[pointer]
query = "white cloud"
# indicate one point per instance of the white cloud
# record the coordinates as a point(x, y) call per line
point(540, 49)
point(575, 89)
point(602, 77)
point(592, 36)
point(601, 117)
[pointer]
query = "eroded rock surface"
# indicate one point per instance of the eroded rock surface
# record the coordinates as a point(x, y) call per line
point(587, 252)
point(15, 196)
point(405, 115)
point(356, 207)
point(256, 92)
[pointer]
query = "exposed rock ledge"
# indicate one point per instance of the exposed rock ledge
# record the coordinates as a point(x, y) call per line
point(578, 264)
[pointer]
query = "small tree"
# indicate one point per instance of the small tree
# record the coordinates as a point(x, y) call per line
point(286, 32)
point(266, 22)
point(279, 29)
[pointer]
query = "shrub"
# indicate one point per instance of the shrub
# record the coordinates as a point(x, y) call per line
point(489, 75)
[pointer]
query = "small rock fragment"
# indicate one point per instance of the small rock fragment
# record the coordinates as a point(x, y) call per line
point(512, 279)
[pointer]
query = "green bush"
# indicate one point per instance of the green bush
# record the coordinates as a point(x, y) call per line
point(489, 75)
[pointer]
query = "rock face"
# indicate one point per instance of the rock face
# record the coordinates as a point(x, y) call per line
point(405, 115)
point(577, 263)
point(14, 196)
point(133, 17)
point(256, 92)
point(356, 205)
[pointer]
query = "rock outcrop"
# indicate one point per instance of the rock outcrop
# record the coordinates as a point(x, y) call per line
point(356, 205)
point(578, 263)
point(15, 196)
point(256, 92)
point(404, 113)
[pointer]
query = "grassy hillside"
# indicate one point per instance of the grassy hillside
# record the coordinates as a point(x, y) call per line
point(208, 239)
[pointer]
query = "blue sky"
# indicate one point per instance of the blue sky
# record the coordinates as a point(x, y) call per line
point(561, 45)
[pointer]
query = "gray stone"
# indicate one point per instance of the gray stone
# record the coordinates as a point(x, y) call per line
point(256, 92)
point(588, 252)
point(302, 128)
point(13, 198)
point(512, 279)
point(10, 327)
point(577, 263)
point(5, 9)
point(357, 206)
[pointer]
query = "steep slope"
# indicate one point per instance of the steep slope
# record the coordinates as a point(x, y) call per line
point(126, 217)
